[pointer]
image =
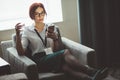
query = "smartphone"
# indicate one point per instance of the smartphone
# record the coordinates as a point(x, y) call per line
point(51, 29)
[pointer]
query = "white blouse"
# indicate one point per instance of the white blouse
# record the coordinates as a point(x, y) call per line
point(31, 39)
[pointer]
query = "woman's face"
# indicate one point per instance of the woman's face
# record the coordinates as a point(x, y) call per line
point(39, 15)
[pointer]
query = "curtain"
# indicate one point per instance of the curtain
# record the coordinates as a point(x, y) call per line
point(99, 25)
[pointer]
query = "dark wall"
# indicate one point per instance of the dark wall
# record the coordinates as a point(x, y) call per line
point(100, 22)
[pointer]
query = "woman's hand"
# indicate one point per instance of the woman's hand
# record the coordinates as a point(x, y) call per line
point(18, 27)
point(52, 35)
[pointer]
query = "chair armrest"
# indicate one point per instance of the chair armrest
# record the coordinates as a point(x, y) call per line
point(4, 46)
point(22, 64)
point(84, 54)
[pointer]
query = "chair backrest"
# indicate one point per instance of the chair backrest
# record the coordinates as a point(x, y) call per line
point(14, 45)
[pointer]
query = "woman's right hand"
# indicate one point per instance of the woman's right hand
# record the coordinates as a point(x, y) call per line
point(19, 47)
point(18, 27)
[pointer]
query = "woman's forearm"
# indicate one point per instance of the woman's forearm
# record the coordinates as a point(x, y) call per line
point(57, 45)
point(19, 47)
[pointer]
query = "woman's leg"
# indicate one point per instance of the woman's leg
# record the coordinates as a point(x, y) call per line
point(75, 74)
point(73, 67)
point(75, 64)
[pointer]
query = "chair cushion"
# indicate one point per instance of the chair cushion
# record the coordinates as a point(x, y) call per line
point(17, 76)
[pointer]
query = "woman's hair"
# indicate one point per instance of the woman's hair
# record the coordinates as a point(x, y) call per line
point(33, 7)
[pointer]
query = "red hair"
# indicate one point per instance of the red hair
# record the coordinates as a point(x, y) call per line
point(33, 7)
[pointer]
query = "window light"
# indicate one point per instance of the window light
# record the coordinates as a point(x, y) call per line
point(14, 11)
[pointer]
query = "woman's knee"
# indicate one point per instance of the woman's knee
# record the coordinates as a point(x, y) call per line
point(67, 52)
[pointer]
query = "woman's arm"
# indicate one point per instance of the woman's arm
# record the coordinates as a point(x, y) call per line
point(57, 42)
point(57, 45)
point(19, 47)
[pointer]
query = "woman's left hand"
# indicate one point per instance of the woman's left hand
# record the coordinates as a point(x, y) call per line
point(52, 35)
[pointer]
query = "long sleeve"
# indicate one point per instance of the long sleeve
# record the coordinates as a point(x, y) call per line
point(57, 43)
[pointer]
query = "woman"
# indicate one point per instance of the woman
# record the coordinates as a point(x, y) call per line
point(47, 50)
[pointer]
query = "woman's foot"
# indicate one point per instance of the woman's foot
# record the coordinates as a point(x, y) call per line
point(100, 74)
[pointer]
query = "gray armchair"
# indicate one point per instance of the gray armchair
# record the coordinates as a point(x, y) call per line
point(24, 64)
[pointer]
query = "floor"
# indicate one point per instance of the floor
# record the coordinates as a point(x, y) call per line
point(113, 74)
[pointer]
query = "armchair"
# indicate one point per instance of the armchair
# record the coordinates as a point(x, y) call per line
point(24, 64)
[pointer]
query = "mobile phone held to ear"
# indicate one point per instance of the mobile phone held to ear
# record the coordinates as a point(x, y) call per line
point(51, 29)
